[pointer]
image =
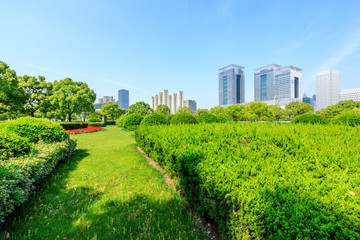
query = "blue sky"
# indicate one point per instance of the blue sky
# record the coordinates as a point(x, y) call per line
point(148, 46)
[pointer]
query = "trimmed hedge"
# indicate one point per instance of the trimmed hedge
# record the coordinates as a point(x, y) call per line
point(153, 119)
point(351, 119)
point(12, 145)
point(35, 129)
point(73, 125)
point(311, 118)
point(97, 124)
point(18, 175)
point(183, 118)
point(207, 118)
point(110, 122)
point(131, 121)
point(265, 180)
point(91, 120)
point(221, 119)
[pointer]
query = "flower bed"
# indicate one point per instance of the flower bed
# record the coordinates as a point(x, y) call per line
point(84, 130)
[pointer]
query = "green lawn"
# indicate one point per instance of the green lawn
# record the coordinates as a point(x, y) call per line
point(107, 190)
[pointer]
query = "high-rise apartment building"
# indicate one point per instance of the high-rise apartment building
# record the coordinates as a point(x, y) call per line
point(327, 88)
point(350, 94)
point(190, 104)
point(173, 101)
point(278, 85)
point(231, 85)
point(123, 100)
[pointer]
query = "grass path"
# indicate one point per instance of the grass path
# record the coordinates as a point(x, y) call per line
point(107, 190)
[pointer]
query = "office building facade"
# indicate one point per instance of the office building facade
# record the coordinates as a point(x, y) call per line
point(350, 94)
point(278, 85)
point(123, 100)
point(327, 88)
point(231, 85)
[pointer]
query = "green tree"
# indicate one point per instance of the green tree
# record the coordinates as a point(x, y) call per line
point(38, 93)
point(72, 98)
point(12, 96)
point(111, 111)
point(183, 109)
point(163, 109)
point(235, 112)
point(200, 111)
point(141, 108)
point(218, 111)
point(341, 107)
point(257, 111)
point(278, 113)
point(294, 109)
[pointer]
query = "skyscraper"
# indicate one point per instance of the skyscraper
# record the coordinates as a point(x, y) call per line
point(327, 88)
point(278, 85)
point(123, 100)
point(190, 104)
point(231, 85)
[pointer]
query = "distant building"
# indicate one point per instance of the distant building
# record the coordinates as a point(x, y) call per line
point(173, 101)
point(313, 101)
point(231, 85)
point(123, 99)
point(190, 104)
point(350, 94)
point(310, 100)
point(106, 99)
point(278, 85)
point(98, 106)
point(327, 88)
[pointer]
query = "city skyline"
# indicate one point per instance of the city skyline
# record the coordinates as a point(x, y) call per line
point(143, 46)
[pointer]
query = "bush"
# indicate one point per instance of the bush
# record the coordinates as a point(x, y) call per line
point(119, 121)
point(168, 119)
point(97, 124)
point(73, 125)
point(153, 119)
point(311, 118)
point(207, 118)
point(351, 119)
point(110, 122)
point(129, 121)
point(18, 175)
point(94, 120)
point(183, 118)
point(12, 145)
point(221, 119)
point(35, 129)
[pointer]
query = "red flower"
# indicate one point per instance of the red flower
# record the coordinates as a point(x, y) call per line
point(84, 130)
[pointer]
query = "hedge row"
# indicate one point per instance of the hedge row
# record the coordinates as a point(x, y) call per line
point(73, 125)
point(351, 119)
point(18, 175)
point(265, 180)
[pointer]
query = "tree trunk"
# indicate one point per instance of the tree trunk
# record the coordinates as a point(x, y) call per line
point(69, 118)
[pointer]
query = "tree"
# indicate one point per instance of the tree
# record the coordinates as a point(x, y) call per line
point(184, 109)
point(235, 112)
point(140, 108)
point(163, 110)
point(294, 109)
point(72, 98)
point(218, 111)
point(38, 92)
point(278, 113)
point(12, 97)
point(257, 111)
point(112, 111)
point(340, 107)
point(200, 112)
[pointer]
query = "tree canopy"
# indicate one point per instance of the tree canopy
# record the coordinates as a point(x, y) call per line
point(278, 113)
point(141, 108)
point(184, 109)
point(112, 111)
point(12, 96)
point(341, 107)
point(218, 111)
point(163, 110)
point(72, 98)
point(294, 109)
point(258, 111)
point(200, 111)
point(235, 112)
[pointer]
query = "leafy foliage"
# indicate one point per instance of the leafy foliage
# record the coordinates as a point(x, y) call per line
point(141, 108)
point(218, 111)
point(97, 124)
point(258, 111)
point(73, 125)
point(235, 112)
point(294, 109)
point(351, 119)
point(12, 145)
point(207, 118)
point(310, 118)
point(168, 118)
point(341, 107)
point(163, 109)
point(153, 119)
point(71, 98)
point(112, 111)
point(131, 120)
point(35, 129)
point(94, 120)
point(265, 180)
point(12, 96)
point(183, 109)
point(278, 113)
point(200, 111)
point(183, 118)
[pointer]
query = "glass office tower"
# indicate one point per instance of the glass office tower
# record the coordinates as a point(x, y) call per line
point(231, 85)
point(123, 100)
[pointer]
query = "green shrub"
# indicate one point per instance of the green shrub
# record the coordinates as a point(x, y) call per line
point(351, 119)
point(18, 176)
point(183, 118)
point(168, 118)
point(97, 124)
point(94, 120)
point(110, 122)
point(221, 119)
point(311, 118)
point(35, 129)
point(207, 118)
point(153, 119)
point(119, 121)
point(129, 121)
point(12, 145)
point(73, 125)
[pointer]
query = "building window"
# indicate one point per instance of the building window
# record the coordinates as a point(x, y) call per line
point(296, 87)
point(225, 90)
point(263, 87)
point(238, 77)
